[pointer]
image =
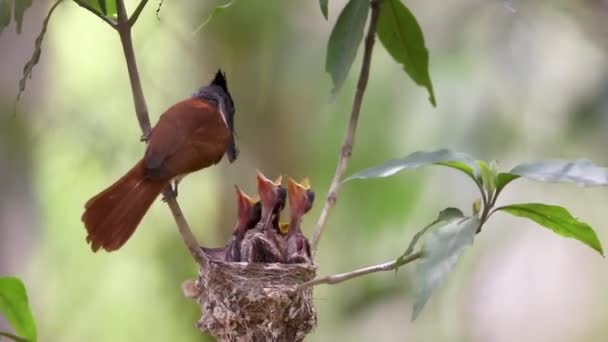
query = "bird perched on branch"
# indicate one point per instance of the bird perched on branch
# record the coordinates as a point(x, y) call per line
point(264, 244)
point(191, 135)
point(301, 199)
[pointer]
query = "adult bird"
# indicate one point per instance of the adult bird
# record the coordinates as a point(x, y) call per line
point(191, 135)
point(301, 199)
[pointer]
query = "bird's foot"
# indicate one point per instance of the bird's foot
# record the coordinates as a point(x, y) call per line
point(173, 191)
point(146, 136)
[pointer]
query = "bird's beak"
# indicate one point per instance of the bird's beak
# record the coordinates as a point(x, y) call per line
point(266, 187)
point(300, 195)
point(245, 203)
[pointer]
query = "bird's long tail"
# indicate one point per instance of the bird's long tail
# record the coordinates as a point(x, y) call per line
point(112, 216)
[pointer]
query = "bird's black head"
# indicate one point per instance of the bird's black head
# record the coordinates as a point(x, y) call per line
point(220, 81)
point(217, 92)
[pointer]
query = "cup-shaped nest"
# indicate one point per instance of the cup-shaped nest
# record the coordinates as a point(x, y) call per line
point(255, 301)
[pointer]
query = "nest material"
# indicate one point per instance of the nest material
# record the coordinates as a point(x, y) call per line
point(255, 301)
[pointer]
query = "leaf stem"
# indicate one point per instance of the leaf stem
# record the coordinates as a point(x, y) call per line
point(349, 139)
point(342, 277)
point(13, 337)
point(137, 12)
point(103, 17)
point(124, 31)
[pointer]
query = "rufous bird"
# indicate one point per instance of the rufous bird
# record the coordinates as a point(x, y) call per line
point(301, 199)
point(191, 135)
point(264, 244)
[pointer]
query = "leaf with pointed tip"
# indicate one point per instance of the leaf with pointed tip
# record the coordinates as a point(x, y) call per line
point(440, 252)
point(323, 5)
point(15, 308)
point(582, 172)
point(558, 219)
point(344, 41)
point(488, 176)
point(446, 214)
point(402, 37)
point(457, 160)
point(504, 178)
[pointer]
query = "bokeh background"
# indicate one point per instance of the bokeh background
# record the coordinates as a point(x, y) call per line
point(511, 86)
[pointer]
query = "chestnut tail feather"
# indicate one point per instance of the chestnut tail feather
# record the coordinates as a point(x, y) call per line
point(112, 216)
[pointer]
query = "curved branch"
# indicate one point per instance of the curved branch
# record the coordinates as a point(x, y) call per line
point(342, 277)
point(349, 139)
point(103, 17)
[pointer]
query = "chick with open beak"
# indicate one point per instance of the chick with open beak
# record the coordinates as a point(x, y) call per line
point(263, 245)
point(249, 213)
point(301, 198)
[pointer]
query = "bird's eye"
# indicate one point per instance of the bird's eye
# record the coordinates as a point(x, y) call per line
point(310, 195)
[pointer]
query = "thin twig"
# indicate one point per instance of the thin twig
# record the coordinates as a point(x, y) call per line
point(342, 277)
point(103, 17)
point(349, 139)
point(12, 337)
point(124, 31)
point(137, 12)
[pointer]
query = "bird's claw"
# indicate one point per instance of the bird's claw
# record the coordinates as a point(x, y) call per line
point(145, 137)
point(172, 191)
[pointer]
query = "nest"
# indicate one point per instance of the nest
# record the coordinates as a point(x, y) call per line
point(255, 301)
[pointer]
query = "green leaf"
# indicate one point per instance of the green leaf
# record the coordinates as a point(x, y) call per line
point(323, 4)
point(5, 14)
point(457, 160)
point(15, 307)
point(440, 252)
point(504, 178)
point(476, 206)
point(20, 7)
point(344, 41)
point(446, 214)
point(487, 176)
point(102, 6)
point(402, 37)
point(105, 7)
point(557, 219)
point(581, 172)
point(216, 10)
point(29, 66)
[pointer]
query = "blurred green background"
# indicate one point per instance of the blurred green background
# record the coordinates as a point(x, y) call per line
point(512, 86)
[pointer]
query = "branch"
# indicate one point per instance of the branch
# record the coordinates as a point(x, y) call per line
point(103, 17)
point(342, 277)
point(349, 139)
point(124, 31)
point(12, 337)
point(137, 12)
